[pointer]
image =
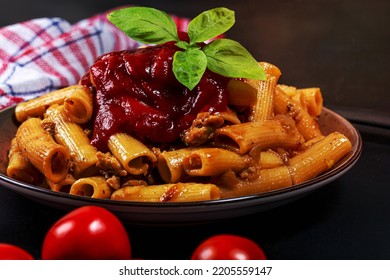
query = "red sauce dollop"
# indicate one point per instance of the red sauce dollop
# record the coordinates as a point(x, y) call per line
point(136, 92)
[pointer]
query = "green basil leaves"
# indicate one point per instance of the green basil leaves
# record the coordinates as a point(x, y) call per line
point(223, 56)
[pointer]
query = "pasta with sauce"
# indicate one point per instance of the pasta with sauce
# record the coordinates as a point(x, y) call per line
point(255, 137)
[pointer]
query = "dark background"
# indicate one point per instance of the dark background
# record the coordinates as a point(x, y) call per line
point(340, 46)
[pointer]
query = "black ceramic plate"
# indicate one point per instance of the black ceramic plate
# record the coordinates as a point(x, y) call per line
point(186, 212)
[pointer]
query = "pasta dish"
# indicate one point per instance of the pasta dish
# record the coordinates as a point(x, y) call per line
point(130, 131)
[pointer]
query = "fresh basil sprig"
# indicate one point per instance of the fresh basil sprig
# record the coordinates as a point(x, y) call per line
point(223, 56)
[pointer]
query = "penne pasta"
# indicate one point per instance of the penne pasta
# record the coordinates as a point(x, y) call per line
point(270, 179)
point(241, 138)
point(263, 109)
point(19, 167)
point(170, 164)
point(313, 100)
point(241, 93)
point(62, 186)
point(289, 90)
point(42, 151)
point(78, 106)
point(78, 101)
point(270, 159)
point(71, 135)
point(214, 162)
point(229, 116)
point(273, 179)
point(319, 158)
point(135, 157)
point(250, 137)
point(179, 192)
point(305, 123)
point(95, 187)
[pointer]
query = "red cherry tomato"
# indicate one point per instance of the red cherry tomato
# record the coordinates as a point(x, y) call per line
point(89, 232)
point(228, 247)
point(13, 252)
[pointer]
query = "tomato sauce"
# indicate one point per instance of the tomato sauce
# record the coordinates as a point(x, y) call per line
point(136, 92)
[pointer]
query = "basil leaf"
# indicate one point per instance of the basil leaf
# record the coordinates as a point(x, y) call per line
point(145, 25)
point(210, 24)
point(189, 66)
point(230, 59)
point(183, 45)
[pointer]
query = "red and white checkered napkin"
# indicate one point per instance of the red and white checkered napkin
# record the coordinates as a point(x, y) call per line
point(41, 55)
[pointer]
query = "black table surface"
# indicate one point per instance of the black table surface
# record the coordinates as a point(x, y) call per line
point(340, 46)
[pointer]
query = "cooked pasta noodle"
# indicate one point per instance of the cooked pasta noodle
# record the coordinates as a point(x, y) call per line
point(19, 167)
point(263, 109)
point(267, 138)
point(42, 151)
point(95, 187)
point(72, 136)
point(241, 138)
point(77, 98)
point(179, 192)
point(135, 157)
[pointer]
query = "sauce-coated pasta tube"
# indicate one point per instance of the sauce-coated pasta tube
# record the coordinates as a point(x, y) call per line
point(273, 179)
point(313, 100)
point(229, 116)
point(180, 192)
point(19, 167)
point(263, 109)
point(214, 162)
point(269, 180)
point(135, 157)
point(95, 187)
point(243, 137)
point(79, 103)
point(319, 158)
point(64, 185)
point(241, 93)
point(78, 106)
point(270, 159)
point(170, 164)
point(71, 135)
point(305, 123)
point(37, 145)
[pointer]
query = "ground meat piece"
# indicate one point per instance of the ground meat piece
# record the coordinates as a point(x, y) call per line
point(251, 173)
point(49, 126)
point(107, 163)
point(202, 129)
point(114, 182)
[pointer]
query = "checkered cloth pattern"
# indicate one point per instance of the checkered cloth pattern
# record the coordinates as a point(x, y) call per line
point(44, 54)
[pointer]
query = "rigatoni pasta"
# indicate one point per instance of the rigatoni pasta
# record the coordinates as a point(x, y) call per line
point(95, 187)
point(19, 167)
point(72, 136)
point(215, 161)
point(305, 123)
point(319, 158)
point(39, 147)
point(135, 157)
point(63, 185)
point(170, 164)
point(266, 139)
point(241, 138)
point(263, 108)
point(179, 192)
point(77, 100)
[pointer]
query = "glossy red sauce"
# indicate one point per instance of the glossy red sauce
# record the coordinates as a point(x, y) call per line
point(136, 92)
